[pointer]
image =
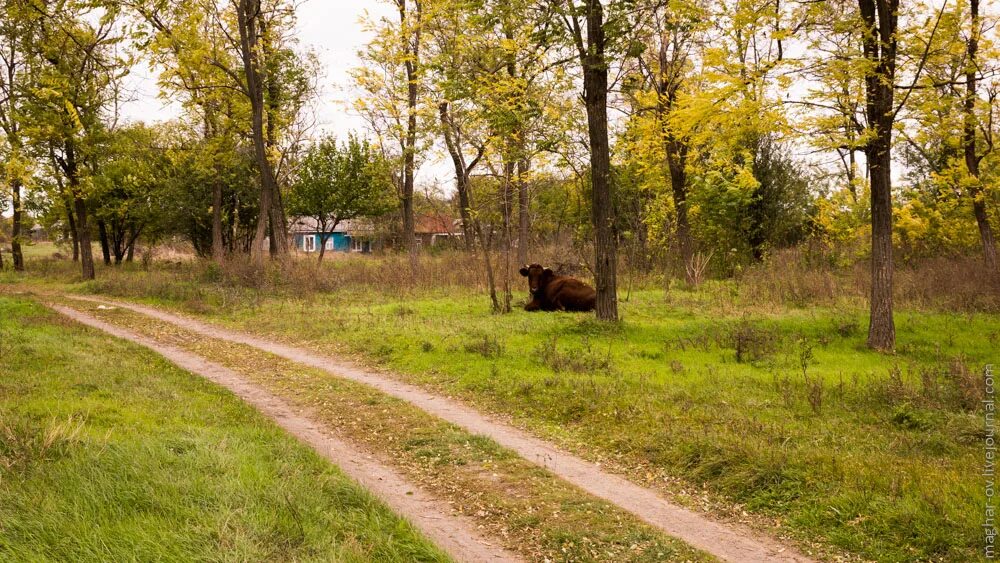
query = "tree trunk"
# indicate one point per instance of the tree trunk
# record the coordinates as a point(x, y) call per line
point(218, 250)
point(490, 277)
point(71, 170)
point(411, 48)
point(508, 239)
point(523, 217)
point(247, 13)
point(462, 173)
point(879, 43)
point(881, 329)
point(83, 231)
point(15, 233)
point(676, 163)
point(278, 220)
point(102, 232)
point(595, 85)
point(73, 233)
point(972, 159)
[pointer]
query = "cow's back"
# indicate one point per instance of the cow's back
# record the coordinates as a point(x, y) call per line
point(571, 294)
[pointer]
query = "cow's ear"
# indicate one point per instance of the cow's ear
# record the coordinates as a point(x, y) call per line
point(524, 271)
point(548, 272)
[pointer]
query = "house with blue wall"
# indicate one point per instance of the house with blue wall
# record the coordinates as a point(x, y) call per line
point(347, 236)
point(359, 235)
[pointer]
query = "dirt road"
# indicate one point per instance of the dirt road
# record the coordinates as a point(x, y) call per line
point(725, 541)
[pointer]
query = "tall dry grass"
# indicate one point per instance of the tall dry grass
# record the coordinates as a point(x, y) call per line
point(795, 277)
point(798, 277)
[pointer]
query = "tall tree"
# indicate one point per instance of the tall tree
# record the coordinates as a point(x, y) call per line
point(181, 38)
point(78, 66)
point(392, 76)
point(15, 41)
point(249, 16)
point(587, 28)
point(973, 157)
point(665, 64)
point(879, 40)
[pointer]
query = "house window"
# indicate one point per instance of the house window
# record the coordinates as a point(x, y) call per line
point(309, 243)
point(330, 244)
point(357, 245)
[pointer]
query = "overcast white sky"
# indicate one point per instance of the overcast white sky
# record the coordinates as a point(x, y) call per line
point(330, 27)
point(333, 29)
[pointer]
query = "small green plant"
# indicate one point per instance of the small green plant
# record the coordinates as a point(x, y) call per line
point(906, 416)
point(752, 341)
point(580, 360)
point(845, 326)
point(486, 346)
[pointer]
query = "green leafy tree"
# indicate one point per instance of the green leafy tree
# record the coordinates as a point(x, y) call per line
point(15, 83)
point(130, 188)
point(77, 64)
point(337, 183)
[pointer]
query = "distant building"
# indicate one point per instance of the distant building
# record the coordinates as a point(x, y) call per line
point(348, 236)
point(436, 229)
point(37, 233)
point(361, 235)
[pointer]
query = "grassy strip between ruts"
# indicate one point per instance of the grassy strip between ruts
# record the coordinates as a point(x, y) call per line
point(109, 453)
point(533, 512)
point(779, 415)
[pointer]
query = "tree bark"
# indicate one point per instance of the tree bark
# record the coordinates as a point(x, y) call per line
point(411, 49)
point(73, 233)
point(879, 42)
point(881, 330)
point(83, 231)
point(677, 163)
point(278, 220)
point(322, 247)
point(102, 233)
point(15, 233)
point(523, 218)
point(972, 158)
point(595, 85)
point(70, 168)
point(218, 249)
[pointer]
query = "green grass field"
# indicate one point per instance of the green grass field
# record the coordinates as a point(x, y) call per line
point(775, 414)
point(109, 453)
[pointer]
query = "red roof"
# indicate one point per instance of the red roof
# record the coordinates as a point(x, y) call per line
point(435, 224)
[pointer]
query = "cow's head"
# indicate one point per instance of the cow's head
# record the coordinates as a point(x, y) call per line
point(537, 276)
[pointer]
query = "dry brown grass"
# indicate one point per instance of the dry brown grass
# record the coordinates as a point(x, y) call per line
point(799, 278)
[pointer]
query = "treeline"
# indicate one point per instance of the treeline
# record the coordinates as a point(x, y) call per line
point(692, 134)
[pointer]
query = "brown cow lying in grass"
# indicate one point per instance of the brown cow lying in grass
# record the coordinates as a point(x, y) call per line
point(550, 292)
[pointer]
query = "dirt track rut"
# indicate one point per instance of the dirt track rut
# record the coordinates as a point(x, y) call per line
point(725, 541)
